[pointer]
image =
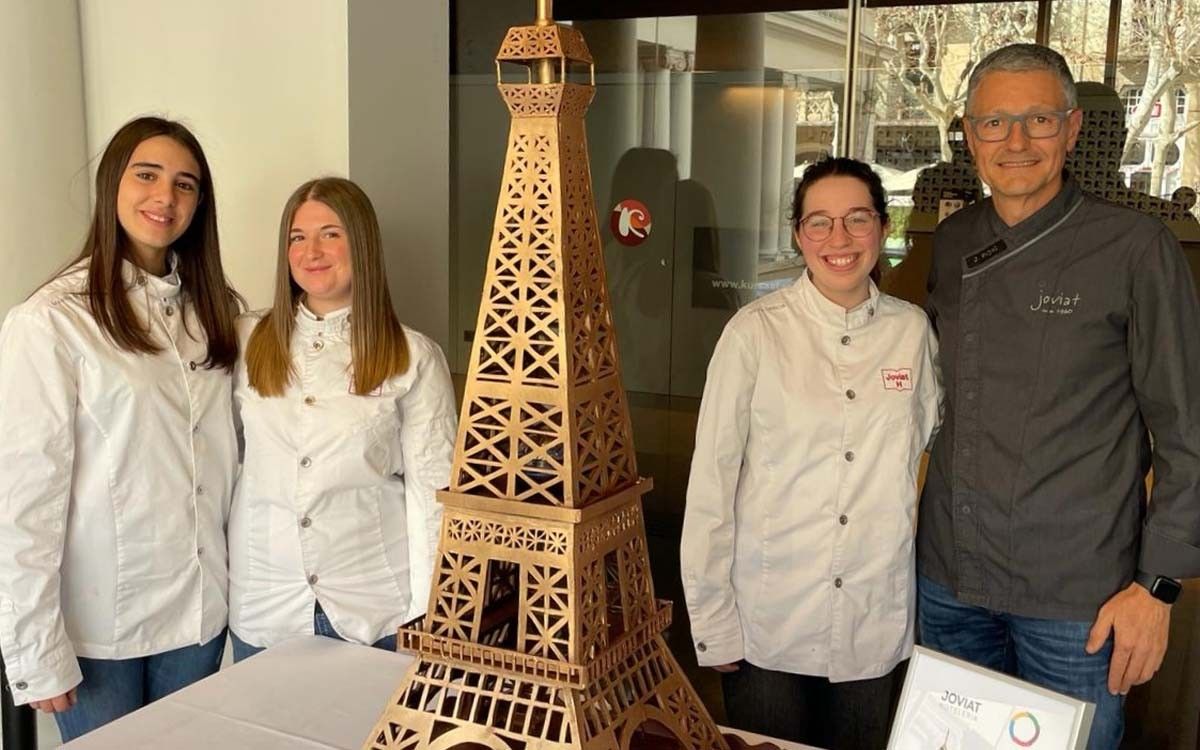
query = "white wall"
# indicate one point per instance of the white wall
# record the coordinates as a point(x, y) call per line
point(262, 83)
point(43, 176)
point(400, 148)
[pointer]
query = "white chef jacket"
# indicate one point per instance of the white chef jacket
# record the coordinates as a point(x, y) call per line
point(797, 549)
point(116, 473)
point(336, 500)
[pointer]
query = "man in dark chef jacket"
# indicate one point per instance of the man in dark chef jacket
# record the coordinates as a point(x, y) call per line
point(1070, 333)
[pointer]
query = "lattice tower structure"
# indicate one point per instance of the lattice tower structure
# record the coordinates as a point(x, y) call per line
point(543, 631)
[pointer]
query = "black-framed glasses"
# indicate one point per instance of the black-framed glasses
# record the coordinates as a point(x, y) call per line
point(818, 227)
point(997, 127)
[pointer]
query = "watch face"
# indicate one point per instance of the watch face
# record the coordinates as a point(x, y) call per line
point(1166, 589)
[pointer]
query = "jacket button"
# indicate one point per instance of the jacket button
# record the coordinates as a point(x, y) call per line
point(21, 685)
point(192, 366)
point(305, 522)
point(312, 580)
point(318, 346)
point(837, 583)
point(200, 490)
point(845, 340)
point(199, 552)
point(849, 455)
point(843, 520)
point(141, 281)
point(701, 647)
point(850, 394)
point(169, 311)
point(309, 400)
point(305, 462)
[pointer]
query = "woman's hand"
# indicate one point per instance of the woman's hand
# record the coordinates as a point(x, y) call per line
point(731, 667)
point(58, 704)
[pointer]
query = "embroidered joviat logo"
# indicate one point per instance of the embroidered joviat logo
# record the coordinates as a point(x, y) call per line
point(897, 380)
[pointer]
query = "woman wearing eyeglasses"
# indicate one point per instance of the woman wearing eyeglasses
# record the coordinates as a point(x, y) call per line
point(797, 550)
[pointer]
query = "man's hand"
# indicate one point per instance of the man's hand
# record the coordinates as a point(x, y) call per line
point(57, 704)
point(1139, 624)
point(731, 667)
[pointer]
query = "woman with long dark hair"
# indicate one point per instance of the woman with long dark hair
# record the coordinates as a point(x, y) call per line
point(348, 420)
point(117, 466)
point(797, 548)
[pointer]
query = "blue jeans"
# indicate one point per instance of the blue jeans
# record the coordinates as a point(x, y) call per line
point(112, 688)
point(1045, 652)
point(321, 626)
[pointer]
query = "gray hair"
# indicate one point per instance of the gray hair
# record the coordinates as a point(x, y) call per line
point(1020, 58)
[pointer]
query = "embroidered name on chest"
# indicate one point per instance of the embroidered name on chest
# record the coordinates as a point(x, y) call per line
point(991, 252)
point(897, 380)
point(1057, 303)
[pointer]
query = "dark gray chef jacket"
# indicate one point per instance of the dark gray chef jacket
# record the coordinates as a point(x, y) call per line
point(1066, 341)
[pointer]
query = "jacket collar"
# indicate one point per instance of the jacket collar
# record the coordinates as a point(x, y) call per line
point(830, 313)
point(166, 287)
point(1068, 195)
point(308, 323)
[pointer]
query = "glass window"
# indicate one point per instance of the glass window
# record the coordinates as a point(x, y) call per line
point(1079, 30)
point(1157, 57)
point(913, 66)
point(707, 121)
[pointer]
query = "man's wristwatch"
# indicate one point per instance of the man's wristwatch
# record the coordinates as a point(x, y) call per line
point(1164, 589)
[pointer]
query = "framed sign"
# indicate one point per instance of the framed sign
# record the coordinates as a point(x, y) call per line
point(950, 704)
point(952, 200)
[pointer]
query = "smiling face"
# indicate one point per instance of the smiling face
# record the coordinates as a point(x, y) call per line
point(840, 265)
point(319, 257)
point(157, 197)
point(1023, 173)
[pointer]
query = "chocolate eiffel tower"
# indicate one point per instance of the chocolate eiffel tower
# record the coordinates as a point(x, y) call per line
point(543, 632)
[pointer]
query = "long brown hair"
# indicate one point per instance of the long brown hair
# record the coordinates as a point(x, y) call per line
point(378, 348)
point(198, 250)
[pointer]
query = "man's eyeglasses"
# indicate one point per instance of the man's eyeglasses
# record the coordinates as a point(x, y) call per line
point(818, 227)
point(994, 128)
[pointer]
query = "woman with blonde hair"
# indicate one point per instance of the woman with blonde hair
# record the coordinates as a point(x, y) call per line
point(119, 453)
point(348, 423)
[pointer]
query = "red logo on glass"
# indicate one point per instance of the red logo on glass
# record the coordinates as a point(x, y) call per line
point(630, 222)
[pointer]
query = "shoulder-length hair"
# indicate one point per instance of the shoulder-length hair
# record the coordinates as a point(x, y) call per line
point(198, 250)
point(378, 348)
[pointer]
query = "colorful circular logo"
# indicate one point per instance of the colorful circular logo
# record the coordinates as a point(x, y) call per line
point(1023, 729)
point(630, 222)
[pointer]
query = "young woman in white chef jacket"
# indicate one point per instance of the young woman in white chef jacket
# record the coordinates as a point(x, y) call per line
point(118, 457)
point(797, 549)
point(348, 423)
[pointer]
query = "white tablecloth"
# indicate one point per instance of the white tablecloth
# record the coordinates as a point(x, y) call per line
point(304, 694)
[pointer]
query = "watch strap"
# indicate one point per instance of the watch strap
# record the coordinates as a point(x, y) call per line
point(1145, 580)
point(1160, 587)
